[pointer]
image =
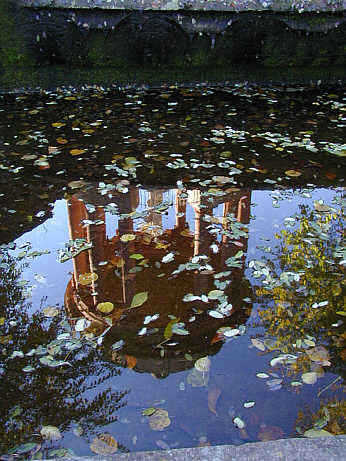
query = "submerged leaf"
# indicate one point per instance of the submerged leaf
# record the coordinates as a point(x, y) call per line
point(203, 364)
point(213, 396)
point(270, 433)
point(104, 444)
point(317, 433)
point(258, 344)
point(159, 420)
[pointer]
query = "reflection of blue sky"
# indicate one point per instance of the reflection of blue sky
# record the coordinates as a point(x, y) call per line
point(234, 367)
point(53, 234)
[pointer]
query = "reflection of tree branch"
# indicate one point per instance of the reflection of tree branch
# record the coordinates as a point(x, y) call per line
point(46, 395)
point(329, 385)
point(305, 275)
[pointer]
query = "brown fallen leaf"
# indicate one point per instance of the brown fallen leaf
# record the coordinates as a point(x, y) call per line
point(104, 444)
point(213, 396)
point(131, 361)
point(270, 433)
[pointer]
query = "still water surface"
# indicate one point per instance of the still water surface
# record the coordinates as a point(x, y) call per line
point(174, 289)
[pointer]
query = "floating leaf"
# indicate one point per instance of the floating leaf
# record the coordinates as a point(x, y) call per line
point(50, 311)
point(262, 375)
point(321, 207)
point(87, 278)
point(136, 256)
point(310, 377)
point(239, 423)
point(118, 345)
point(317, 433)
point(130, 361)
point(149, 411)
point(215, 294)
point(25, 448)
point(168, 258)
point(104, 444)
point(82, 324)
point(168, 333)
point(58, 124)
point(159, 420)
point(76, 184)
point(61, 140)
point(60, 453)
point(215, 314)
point(127, 238)
point(77, 151)
point(139, 299)
point(203, 364)
point(50, 433)
point(293, 173)
point(105, 307)
point(318, 354)
point(270, 433)
point(248, 404)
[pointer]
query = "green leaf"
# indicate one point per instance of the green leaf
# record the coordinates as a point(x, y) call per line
point(127, 237)
point(25, 448)
point(105, 307)
point(139, 299)
point(317, 433)
point(215, 294)
point(168, 333)
point(148, 411)
point(136, 256)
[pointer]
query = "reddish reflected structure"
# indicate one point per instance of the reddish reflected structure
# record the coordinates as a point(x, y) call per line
point(156, 230)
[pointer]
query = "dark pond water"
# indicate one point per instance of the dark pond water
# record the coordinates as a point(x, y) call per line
point(172, 268)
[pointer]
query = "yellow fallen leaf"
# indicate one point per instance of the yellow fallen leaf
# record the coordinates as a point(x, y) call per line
point(293, 173)
point(77, 151)
point(105, 307)
point(61, 140)
point(58, 124)
point(87, 278)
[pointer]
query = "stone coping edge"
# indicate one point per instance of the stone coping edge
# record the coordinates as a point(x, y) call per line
point(294, 449)
point(300, 6)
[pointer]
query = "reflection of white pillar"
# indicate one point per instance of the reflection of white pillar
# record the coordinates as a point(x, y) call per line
point(97, 253)
point(153, 218)
point(194, 199)
point(180, 211)
point(76, 213)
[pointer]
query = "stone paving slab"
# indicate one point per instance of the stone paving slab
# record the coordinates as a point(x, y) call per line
point(294, 449)
point(197, 5)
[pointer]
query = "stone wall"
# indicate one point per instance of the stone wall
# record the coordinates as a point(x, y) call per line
point(132, 35)
point(197, 5)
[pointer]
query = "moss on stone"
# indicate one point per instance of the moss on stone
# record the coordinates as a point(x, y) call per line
point(13, 56)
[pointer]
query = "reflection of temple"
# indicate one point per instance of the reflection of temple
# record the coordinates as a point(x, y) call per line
point(157, 230)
